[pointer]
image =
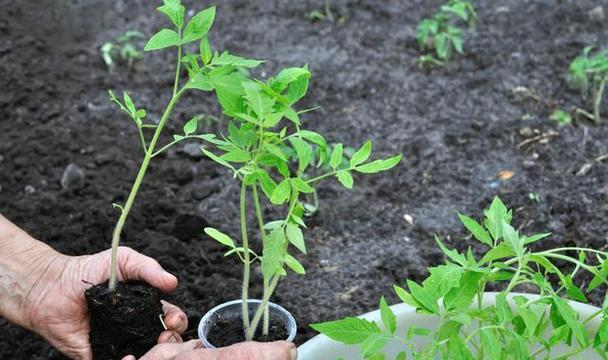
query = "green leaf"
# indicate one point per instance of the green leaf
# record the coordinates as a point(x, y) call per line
point(258, 101)
point(345, 178)
point(174, 11)
point(495, 215)
point(205, 50)
point(490, 344)
point(219, 236)
point(422, 296)
point(228, 88)
point(373, 344)
point(162, 39)
point(574, 292)
point(600, 277)
point(477, 230)
point(217, 159)
point(501, 251)
point(281, 193)
point(298, 88)
point(303, 151)
point(294, 265)
point(458, 349)
point(570, 317)
point(388, 317)
point(295, 237)
point(406, 297)
point(226, 59)
point(301, 186)
point(401, 356)
point(362, 154)
point(276, 151)
point(128, 102)
point(288, 76)
point(461, 297)
point(200, 82)
point(442, 279)
point(191, 126)
point(349, 330)
point(274, 253)
point(379, 165)
point(336, 156)
point(199, 25)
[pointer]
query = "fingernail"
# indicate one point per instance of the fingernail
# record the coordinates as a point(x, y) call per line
point(168, 274)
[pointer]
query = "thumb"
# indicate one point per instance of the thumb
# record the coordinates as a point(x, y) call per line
point(280, 350)
point(135, 266)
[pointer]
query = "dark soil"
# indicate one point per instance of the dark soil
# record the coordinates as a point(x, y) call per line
point(227, 328)
point(125, 321)
point(458, 129)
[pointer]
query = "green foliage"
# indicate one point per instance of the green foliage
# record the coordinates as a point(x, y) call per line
point(441, 33)
point(122, 48)
point(516, 326)
point(589, 73)
point(266, 148)
point(561, 117)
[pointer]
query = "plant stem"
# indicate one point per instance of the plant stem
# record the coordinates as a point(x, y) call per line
point(140, 177)
point(246, 259)
point(258, 314)
point(138, 180)
point(597, 106)
point(258, 210)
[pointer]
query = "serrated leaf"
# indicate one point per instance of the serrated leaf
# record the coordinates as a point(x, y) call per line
point(295, 237)
point(199, 25)
point(349, 330)
point(220, 237)
point(174, 10)
point(162, 39)
point(362, 154)
point(345, 178)
point(422, 296)
point(570, 317)
point(501, 251)
point(477, 230)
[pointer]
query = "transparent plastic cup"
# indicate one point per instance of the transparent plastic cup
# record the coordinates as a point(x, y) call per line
point(232, 310)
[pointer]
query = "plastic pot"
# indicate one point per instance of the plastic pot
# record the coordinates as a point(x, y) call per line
point(322, 347)
point(232, 312)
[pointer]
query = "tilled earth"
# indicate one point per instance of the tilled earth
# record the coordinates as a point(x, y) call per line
point(474, 130)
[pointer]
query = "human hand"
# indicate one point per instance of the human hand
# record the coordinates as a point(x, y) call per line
point(192, 350)
point(56, 307)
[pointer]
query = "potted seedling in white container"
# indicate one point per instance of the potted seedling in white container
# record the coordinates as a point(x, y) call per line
point(451, 315)
point(268, 152)
point(126, 318)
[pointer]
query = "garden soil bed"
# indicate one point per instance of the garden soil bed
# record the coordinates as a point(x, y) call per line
point(475, 130)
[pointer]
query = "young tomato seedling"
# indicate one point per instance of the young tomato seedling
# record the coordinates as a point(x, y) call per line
point(589, 74)
point(441, 34)
point(269, 152)
point(515, 327)
point(219, 73)
point(122, 48)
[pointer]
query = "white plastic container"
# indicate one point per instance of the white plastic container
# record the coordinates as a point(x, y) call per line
point(323, 348)
point(232, 309)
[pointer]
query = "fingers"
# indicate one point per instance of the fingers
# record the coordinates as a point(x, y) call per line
point(169, 337)
point(175, 319)
point(280, 350)
point(135, 266)
point(169, 350)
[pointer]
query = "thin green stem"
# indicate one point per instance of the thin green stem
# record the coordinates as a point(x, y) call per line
point(178, 69)
point(597, 104)
point(246, 259)
point(136, 185)
point(259, 312)
point(258, 211)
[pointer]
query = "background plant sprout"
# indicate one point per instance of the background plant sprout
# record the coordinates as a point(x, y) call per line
point(441, 34)
point(528, 328)
point(123, 48)
point(218, 73)
point(589, 73)
point(269, 152)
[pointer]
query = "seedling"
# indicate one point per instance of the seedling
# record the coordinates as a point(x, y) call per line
point(561, 117)
point(123, 48)
point(268, 152)
point(219, 73)
point(442, 34)
point(589, 73)
point(526, 328)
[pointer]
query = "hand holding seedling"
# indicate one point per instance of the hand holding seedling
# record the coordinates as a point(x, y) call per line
point(42, 290)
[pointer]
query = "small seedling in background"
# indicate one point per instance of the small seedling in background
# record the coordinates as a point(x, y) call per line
point(269, 152)
point(122, 49)
point(524, 327)
point(534, 196)
point(561, 117)
point(589, 73)
point(442, 35)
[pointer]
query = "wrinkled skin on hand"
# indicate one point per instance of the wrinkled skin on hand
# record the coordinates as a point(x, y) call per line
point(56, 306)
